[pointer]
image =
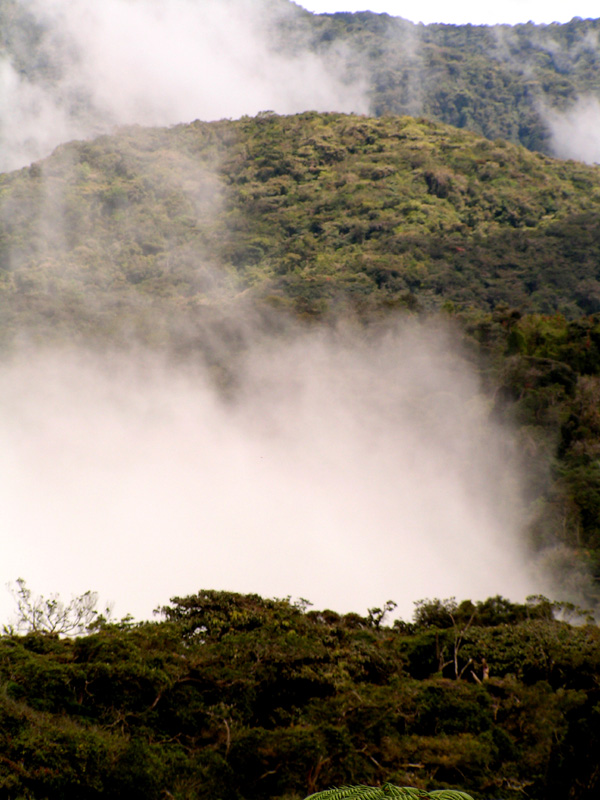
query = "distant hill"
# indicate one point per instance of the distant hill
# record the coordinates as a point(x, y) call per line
point(499, 81)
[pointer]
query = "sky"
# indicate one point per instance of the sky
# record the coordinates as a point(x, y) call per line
point(460, 12)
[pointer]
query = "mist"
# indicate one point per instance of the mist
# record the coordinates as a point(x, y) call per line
point(92, 66)
point(337, 469)
point(575, 133)
point(572, 128)
point(342, 468)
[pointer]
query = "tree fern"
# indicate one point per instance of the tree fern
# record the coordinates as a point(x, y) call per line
point(387, 792)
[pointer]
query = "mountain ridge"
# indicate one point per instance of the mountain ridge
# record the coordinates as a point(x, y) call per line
point(526, 83)
point(305, 209)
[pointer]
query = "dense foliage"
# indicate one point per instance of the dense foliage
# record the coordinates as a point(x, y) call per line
point(238, 697)
point(496, 80)
point(309, 211)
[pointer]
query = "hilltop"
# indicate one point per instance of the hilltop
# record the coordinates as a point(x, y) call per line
point(302, 212)
point(517, 83)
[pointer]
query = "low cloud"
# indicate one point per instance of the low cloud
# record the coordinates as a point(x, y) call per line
point(343, 471)
point(569, 125)
point(575, 133)
point(91, 66)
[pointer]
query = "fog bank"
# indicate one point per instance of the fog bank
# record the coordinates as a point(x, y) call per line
point(575, 133)
point(341, 471)
point(77, 68)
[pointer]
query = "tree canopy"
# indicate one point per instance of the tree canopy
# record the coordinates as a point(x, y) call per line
point(240, 697)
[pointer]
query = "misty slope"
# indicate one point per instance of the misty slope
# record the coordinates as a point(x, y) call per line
point(306, 212)
point(535, 85)
point(499, 81)
point(202, 237)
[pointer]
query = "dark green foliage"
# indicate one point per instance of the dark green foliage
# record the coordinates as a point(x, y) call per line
point(210, 615)
point(493, 80)
point(263, 709)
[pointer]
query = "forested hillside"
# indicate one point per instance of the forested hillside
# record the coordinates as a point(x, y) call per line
point(174, 237)
point(498, 81)
point(212, 247)
point(242, 698)
point(309, 209)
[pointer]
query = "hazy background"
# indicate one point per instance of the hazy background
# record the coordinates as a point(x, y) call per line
point(344, 472)
point(78, 68)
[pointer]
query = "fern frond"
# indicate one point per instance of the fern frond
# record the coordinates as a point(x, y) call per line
point(371, 793)
point(348, 793)
point(392, 791)
point(387, 792)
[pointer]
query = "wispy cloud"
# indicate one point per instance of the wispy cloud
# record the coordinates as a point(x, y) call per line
point(575, 133)
point(154, 62)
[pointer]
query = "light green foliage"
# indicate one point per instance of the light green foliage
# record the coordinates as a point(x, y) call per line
point(387, 790)
point(304, 212)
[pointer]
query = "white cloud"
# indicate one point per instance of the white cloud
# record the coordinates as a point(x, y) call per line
point(575, 133)
point(344, 472)
point(158, 62)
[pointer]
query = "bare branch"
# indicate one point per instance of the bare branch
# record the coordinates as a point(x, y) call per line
point(52, 615)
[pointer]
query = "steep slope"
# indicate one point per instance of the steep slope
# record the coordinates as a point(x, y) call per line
point(307, 211)
point(193, 238)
